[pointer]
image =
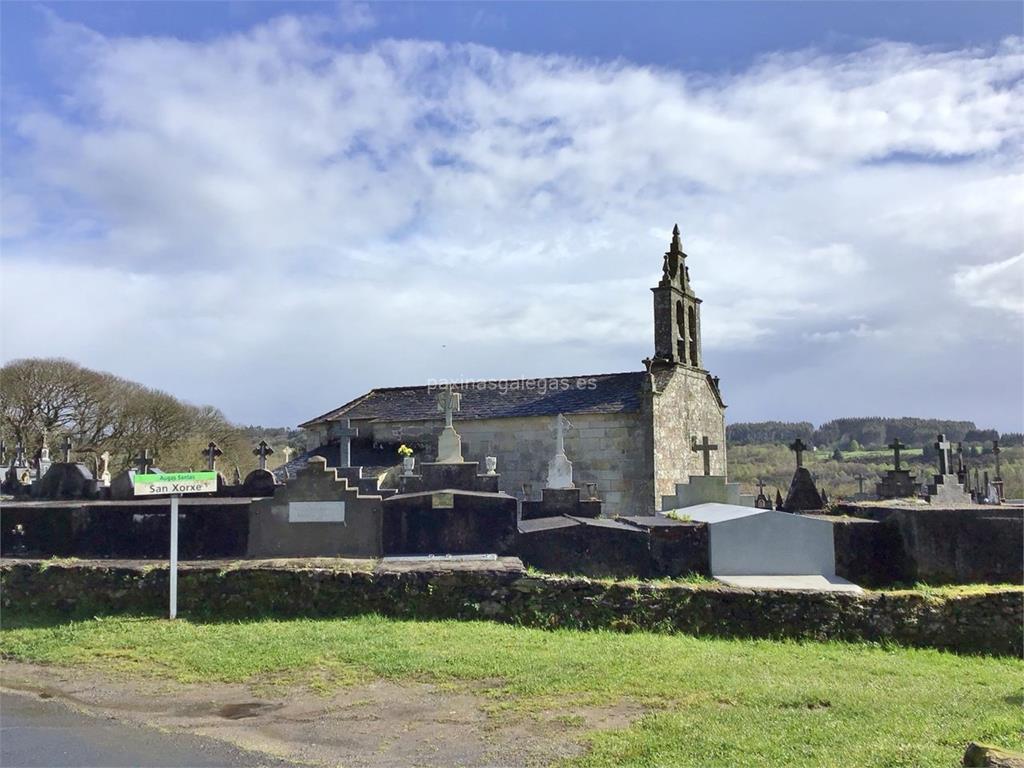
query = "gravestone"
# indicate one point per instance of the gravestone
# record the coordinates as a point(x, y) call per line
point(560, 468)
point(560, 496)
point(316, 514)
point(898, 483)
point(762, 501)
point(345, 434)
point(260, 482)
point(450, 508)
point(706, 489)
point(18, 478)
point(944, 488)
point(803, 493)
point(997, 481)
point(449, 444)
point(44, 457)
point(122, 487)
point(66, 480)
point(103, 469)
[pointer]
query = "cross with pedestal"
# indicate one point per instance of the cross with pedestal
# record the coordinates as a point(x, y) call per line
point(561, 424)
point(943, 446)
point(67, 449)
point(345, 435)
point(705, 447)
point(996, 450)
point(896, 446)
point(798, 447)
point(860, 482)
point(211, 452)
point(448, 402)
point(262, 450)
point(19, 455)
point(143, 463)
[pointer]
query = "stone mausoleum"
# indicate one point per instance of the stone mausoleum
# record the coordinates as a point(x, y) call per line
point(632, 434)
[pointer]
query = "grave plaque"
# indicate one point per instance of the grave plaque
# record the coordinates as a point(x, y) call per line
point(316, 512)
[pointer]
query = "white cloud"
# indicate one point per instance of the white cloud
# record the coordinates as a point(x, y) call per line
point(999, 285)
point(347, 211)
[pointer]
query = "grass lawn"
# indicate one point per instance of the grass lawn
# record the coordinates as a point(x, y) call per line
point(711, 702)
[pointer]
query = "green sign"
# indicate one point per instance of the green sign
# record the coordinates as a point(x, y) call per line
point(175, 482)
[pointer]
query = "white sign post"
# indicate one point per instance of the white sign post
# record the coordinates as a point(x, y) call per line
point(175, 484)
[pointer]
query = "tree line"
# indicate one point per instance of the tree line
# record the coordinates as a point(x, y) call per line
point(101, 412)
point(854, 433)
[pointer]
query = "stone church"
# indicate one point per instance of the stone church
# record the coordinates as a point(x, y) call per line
point(632, 434)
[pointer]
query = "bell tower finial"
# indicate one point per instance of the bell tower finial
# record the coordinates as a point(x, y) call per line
point(676, 310)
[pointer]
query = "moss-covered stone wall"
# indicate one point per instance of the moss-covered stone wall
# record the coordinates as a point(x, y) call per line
point(988, 622)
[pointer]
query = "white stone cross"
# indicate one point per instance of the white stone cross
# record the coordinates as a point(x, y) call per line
point(561, 424)
point(448, 402)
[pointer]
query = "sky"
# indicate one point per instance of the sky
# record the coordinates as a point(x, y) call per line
point(274, 207)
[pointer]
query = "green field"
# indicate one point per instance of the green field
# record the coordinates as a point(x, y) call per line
point(708, 702)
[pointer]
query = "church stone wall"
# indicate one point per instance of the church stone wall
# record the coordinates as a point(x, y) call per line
point(684, 406)
point(606, 449)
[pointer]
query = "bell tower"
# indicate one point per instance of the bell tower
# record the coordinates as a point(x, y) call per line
point(676, 311)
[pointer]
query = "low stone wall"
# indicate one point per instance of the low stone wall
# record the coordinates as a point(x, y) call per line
point(981, 623)
point(957, 546)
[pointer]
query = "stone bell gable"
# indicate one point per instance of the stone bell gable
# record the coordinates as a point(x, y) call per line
point(685, 400)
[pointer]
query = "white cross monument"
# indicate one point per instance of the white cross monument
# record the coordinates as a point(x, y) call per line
point(560, 468)
point(449, 444)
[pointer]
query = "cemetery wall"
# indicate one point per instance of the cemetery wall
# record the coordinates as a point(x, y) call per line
point(209, 528)
point(684, 406)
point(606, 449)
point(961, 546)
point(978, 623)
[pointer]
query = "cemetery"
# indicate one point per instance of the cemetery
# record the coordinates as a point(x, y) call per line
point(611, 476)
point(457, 519)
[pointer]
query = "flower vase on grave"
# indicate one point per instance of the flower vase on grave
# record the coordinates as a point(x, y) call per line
point(491, 462)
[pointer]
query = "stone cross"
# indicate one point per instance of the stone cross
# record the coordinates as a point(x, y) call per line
point(959, 458)
point(287, 451)
point(798, 447)
point(996, 450)
point(705, 447)
point(860, 482)
point(896, 446)
point(103, 467)
point(942, 446)
point(3, 451)
point(345, 434)
point(143, 463)
point(19, 455)
point(561, 424)
point(67, 449)
point(448, 402)
point(237, 478)
point(211, 452)
point(760, 486)
point(44, 452)
point(263, 450)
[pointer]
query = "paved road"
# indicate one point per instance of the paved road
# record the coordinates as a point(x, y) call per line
point(48, 734)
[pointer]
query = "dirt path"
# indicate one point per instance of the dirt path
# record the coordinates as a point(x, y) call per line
point(375, 724)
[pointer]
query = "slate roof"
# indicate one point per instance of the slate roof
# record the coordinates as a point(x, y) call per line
point(610, 393)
